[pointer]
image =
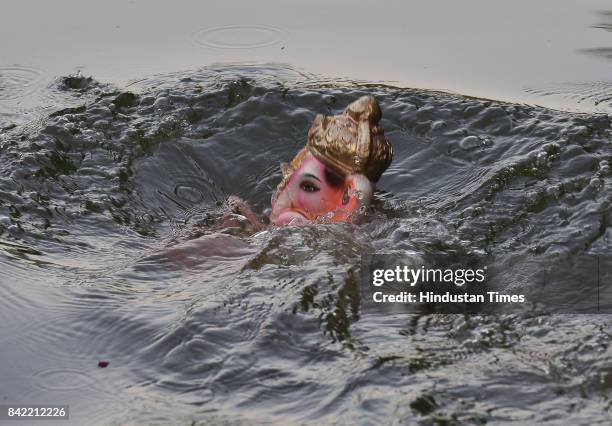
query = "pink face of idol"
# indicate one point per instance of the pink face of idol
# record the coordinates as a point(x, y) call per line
point(315, 192)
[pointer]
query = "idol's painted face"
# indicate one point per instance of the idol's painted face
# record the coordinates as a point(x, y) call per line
point(316, 192)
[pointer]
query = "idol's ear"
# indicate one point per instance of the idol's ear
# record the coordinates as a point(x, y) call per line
point(362, 188)
point(359, 191)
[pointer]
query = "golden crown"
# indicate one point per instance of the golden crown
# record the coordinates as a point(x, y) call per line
point(352, 142)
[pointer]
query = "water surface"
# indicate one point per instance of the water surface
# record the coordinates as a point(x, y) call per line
point(108, 252)
point(111, 183)
point(548, 52)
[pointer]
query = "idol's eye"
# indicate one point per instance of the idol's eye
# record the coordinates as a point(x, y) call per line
point(308, 187)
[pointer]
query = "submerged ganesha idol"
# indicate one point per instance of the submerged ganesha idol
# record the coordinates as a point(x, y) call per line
point(333, 177)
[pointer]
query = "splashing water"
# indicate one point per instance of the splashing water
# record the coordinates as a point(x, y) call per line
point(107, 251)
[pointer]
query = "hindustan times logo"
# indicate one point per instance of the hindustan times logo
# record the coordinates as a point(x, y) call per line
point(414, 276)
point(476, 283)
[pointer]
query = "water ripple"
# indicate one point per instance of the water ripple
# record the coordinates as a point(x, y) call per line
point(18, 81)
point(239, 36)
point(597, 93)
point(62, 379)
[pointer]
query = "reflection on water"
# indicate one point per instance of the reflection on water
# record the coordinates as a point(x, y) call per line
point(595, 94)
point(604, 52)
point(606, 16)
point(108, 252)
point(604, 24)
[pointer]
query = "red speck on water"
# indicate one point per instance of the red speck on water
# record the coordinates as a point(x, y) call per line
point(102, 364)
